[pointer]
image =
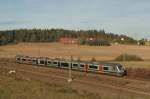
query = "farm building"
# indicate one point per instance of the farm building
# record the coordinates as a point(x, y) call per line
point(96, 42)
point(69, 40)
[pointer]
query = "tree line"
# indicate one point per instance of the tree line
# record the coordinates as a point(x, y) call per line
point(53, 35)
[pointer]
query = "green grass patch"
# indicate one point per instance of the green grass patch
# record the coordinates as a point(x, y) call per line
point(128, 57)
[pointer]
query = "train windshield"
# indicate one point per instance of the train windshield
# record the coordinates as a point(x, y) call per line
point(120, 67)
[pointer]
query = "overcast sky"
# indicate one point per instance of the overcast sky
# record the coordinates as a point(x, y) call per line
point(131, 17)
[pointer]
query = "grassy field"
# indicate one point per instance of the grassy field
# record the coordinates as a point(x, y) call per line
point(77, 51)
point(18, 88)
point(11, 88)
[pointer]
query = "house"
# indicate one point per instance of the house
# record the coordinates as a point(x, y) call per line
point(88, 41)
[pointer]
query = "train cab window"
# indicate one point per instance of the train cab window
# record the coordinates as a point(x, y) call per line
point(120, 68)
point(93, 67)
point(106, 68)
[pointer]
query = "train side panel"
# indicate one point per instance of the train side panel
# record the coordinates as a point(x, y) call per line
point(96, 67)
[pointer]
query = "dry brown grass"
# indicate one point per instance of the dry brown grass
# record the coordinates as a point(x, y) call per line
point(103, 53)
point(85, 52)
point(21, 89)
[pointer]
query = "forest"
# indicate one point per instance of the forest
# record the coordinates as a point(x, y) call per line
point(53, 35)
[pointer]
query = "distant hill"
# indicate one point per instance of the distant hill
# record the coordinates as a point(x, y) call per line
point(53, 35)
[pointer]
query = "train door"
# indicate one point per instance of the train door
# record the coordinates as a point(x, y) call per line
point(29, 60)
point(34, 61)
point(23, 60)
point(101, 68)
point(49, 62)
point(114, 69)
point(59, 64)
point(86, 67)
point(82, 66)
point(106, 68)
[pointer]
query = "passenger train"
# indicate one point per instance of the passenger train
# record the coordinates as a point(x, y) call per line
point(95, 67)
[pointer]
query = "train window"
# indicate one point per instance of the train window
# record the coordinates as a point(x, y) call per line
point(34, 60)
point(93, 67)
point(81, 65)
point(106, 68)
point(24, 59)
point(64, 64)
point(18, 58)
point(75, 65)
point(42, 62)
point(29, 59)
point(55, 63)
point(49, 62)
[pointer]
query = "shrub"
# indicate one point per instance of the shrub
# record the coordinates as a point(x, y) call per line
point(93, 59)
point(128, 57)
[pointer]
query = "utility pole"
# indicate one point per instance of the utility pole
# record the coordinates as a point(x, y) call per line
point(70, 71)
point(124, 55)
point(39, 44)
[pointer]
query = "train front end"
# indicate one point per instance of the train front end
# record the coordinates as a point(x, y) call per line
point(122, 71)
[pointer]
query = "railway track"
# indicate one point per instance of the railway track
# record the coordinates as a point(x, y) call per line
point(48, 73)
point(64, 72)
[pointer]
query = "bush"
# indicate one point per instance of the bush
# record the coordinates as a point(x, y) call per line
point(93, 59)
point(127, 57)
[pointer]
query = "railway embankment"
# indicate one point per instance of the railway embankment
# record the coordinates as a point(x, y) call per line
point(99, 84)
